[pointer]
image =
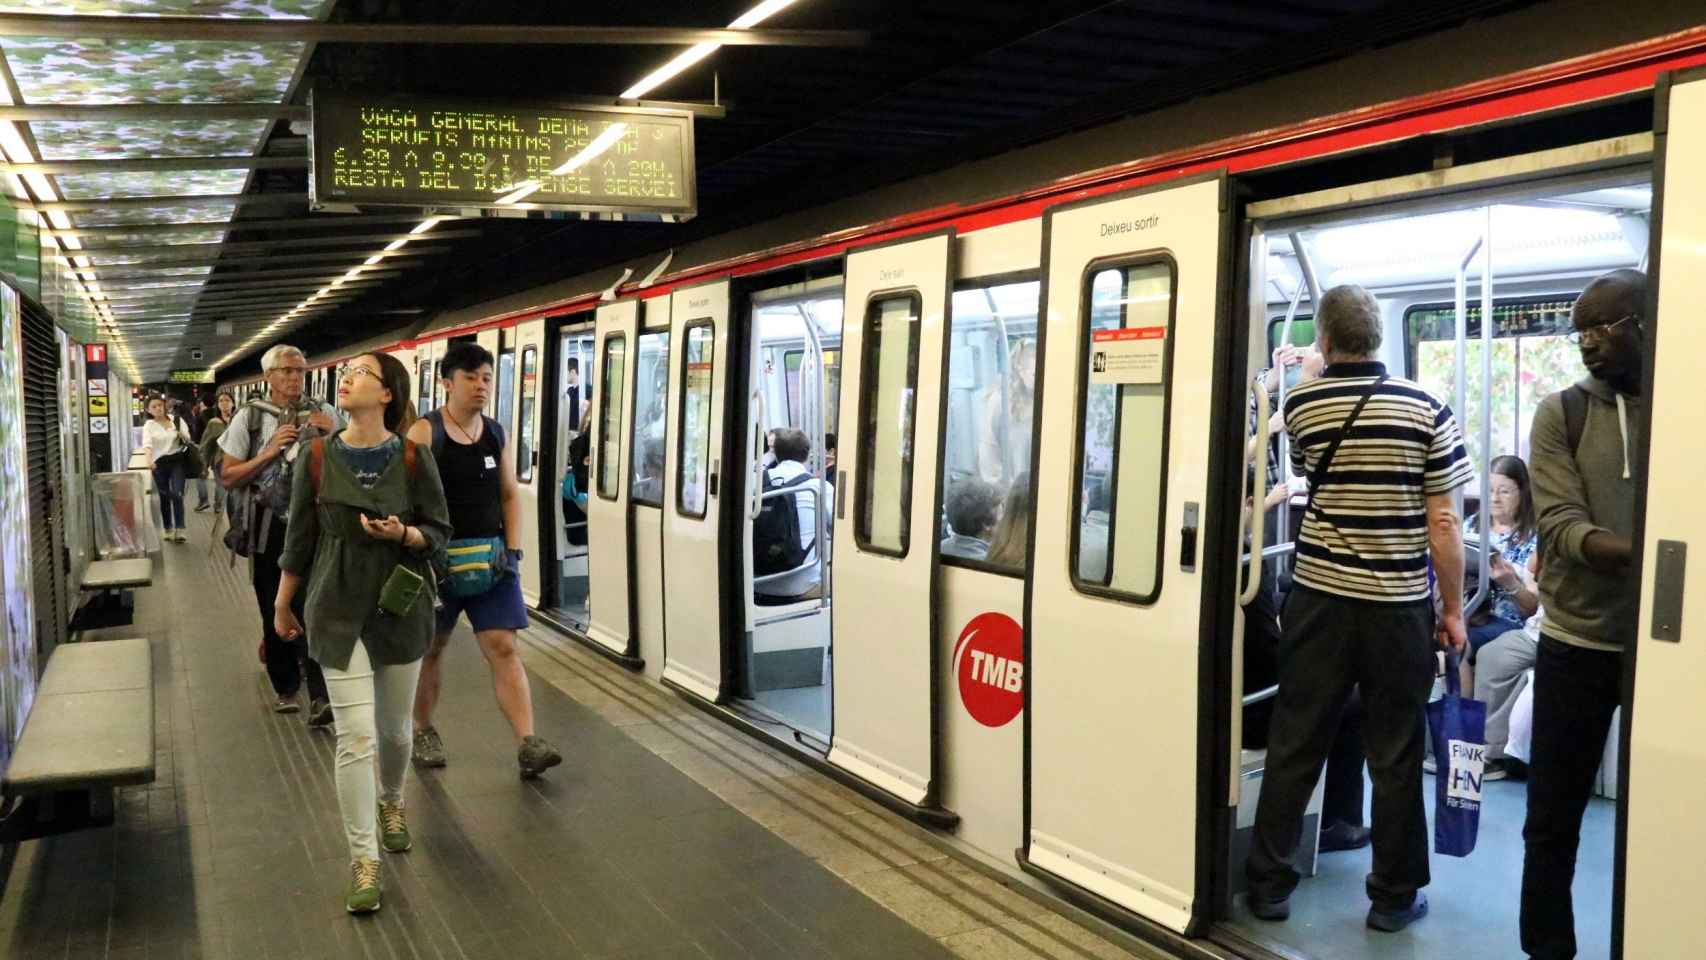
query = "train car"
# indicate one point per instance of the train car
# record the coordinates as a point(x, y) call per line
point(1018, 619)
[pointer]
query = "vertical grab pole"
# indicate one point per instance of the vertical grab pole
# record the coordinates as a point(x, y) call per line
point(1004, 372)
point(1258, 512)
point(1481, 588)
point(1306, 272)
point(1461, 373)
point(814, 467)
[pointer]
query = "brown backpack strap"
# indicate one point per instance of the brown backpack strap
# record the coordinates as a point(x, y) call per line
point(410, 457)
point(316, 460)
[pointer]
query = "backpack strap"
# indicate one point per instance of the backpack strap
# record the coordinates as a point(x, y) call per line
point(1575, 401)
point(496, 429)
point(435, 418)
point(411, 458)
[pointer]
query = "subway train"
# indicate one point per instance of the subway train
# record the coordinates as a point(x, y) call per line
point(1019, 619)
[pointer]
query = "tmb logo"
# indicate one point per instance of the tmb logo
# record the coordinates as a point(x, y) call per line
point(989, 660)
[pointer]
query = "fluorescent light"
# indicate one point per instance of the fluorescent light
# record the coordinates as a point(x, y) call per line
point(526, 189)
point(426, 225)
point(370, 261)
point(397, 244)
point(699, 51)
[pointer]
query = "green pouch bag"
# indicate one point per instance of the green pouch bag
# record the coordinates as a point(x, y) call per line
point(401, 590)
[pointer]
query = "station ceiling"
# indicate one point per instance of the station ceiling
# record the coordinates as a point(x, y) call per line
point(177, 195)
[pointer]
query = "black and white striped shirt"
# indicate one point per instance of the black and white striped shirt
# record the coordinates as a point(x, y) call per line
point(1367, 536)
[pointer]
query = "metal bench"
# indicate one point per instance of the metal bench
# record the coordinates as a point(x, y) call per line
point(91, 729)
point(104, 575)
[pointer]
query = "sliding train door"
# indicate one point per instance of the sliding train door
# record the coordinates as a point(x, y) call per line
point(616, 328)
point(1115, 742)
point(885, 541)
point(1664, 838)
point(693, 569)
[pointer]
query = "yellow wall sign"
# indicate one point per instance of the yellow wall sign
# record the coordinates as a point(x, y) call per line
point(97, 406)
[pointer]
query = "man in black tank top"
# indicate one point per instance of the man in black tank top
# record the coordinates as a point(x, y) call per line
point(478, 469)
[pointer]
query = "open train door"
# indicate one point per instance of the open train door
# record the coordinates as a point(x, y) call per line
point(693, 569)
point(610, 567)
point(886, 540)
point(1117, 748)
point(1664, 837)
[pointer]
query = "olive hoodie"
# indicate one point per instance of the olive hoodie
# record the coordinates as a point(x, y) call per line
point(1576, 493)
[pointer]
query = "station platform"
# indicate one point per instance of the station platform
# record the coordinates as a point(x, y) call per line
point(663, 834)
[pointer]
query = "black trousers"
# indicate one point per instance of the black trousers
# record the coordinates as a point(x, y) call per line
point(1342, 794)
point(1576, 690)
point(288, 662)
point(1329, 646)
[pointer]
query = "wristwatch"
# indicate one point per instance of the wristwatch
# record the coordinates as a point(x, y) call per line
point(514, 555)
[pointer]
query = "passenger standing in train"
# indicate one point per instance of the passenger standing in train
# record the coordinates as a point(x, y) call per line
point(256, 442)
point(1383, 457)
point(1004, 449)
point(167, 438)
point(829, 457)
point(791, 448)
point(368, 525)
point(1583, 448)
point(484, 499)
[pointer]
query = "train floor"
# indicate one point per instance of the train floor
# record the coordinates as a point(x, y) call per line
point(664, 834)
point(1472, 901)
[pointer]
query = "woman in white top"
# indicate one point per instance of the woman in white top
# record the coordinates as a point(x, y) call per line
point(167, 439)
point(1004, 449)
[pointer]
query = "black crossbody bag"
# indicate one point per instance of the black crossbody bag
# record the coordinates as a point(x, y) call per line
point(1318, 476)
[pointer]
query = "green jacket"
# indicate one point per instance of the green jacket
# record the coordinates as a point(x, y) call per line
point(347, 569)
point(209, 445)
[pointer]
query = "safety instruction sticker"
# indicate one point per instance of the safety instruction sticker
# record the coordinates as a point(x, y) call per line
point(98, 425)
point(97, 406)
point(1128, 355)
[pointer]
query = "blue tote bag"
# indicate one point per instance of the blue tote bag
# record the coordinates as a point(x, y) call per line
point(1458, 728)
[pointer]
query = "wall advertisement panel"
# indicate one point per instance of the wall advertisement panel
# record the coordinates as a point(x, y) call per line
point(17, 607)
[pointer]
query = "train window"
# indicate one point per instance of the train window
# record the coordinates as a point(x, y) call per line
point(889, 387)
point(1116, 542)
point(1531, 359)
point(529, 393)
point(1302, 331)
point(791, 363)
point(694, 456)
point(506, 386)
point(651, 420)
point(610, 416)
point(423, 379)
point(986, 449)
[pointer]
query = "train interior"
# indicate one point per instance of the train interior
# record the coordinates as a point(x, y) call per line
point(1428, 266)
point(571, 600)
point(785, 663)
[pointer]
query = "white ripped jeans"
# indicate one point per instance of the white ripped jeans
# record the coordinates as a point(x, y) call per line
point(371, 705)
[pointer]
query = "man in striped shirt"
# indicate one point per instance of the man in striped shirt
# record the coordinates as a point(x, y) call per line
point(1360, 613)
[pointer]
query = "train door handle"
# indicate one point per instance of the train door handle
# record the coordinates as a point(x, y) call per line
point(841, 502)
point(1188, 540)
point(711, 481)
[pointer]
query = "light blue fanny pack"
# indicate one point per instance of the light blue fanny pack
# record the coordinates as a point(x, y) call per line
point(476, 566)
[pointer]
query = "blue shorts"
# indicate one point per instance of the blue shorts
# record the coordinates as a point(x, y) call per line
point(500, 608)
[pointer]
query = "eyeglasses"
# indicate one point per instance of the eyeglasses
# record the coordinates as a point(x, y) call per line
point(1601, 332)
point(345, 373)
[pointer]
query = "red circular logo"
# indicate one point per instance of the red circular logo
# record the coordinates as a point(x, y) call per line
point(989, 659)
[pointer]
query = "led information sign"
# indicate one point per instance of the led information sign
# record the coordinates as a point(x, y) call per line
point(384, 150)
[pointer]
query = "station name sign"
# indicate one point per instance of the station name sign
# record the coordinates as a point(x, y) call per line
point(428, 152)
point(190, 376)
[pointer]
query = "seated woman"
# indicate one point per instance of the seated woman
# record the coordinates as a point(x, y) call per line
point(1513, 596)
point(574, 489)
point(973, 506)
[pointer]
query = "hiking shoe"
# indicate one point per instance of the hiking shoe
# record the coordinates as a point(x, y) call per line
point(429, 748)
point(319, 713)
point(1344, 836)
point(363, 895)
point(1392, 921)
point(286, 705)
point(1273, 910)
point(393, 828)
point(536, 756)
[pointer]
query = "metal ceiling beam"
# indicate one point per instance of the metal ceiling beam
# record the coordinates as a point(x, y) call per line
point(216, 315)
point(312, 222)
point(122, 294)
point(153, 164)
point(125, 112)
point(214, 259)
point(154, 271)
point(310, 31)
point(370, 275)
point(334, 240)
point(286, 297)
point(90, 205)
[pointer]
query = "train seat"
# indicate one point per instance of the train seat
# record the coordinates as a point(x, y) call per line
point(91, 728)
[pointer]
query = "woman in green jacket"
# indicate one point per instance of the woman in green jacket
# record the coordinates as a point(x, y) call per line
point(210, 453)
point(368, 520)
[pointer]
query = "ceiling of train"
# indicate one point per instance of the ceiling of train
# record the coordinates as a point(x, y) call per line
point(178, 209)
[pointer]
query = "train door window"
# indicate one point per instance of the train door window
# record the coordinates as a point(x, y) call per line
point(651, 404)
point(423, 381)
point(791, 363)
point(524, 429)
point(986, 449)
point(1116, 542)
point(695, 453)
point(890, 381)
point(506, 385)
point(614, 375)
point(826, 312)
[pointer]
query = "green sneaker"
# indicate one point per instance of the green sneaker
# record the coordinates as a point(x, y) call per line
point(393, 828)
point(363, 896)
